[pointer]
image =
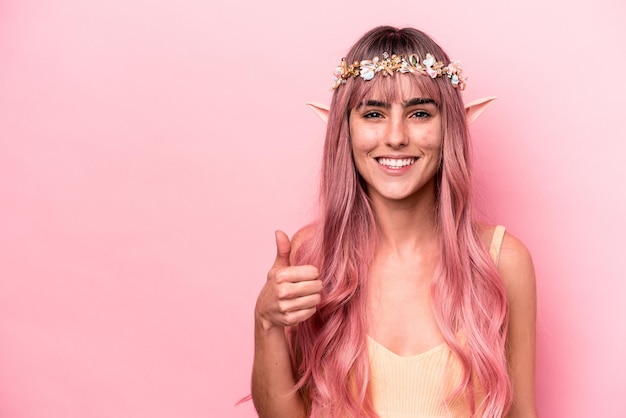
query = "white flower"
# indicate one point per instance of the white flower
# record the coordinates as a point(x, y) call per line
point(368, 69)
point(429, 61)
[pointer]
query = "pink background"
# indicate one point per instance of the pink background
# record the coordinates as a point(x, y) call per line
point(148, 150)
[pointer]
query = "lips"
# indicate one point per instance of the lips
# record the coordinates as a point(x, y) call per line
point(395, 162)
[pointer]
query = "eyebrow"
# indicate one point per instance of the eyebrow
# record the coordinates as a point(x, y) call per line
point(411, 102)
point(419, 101)
point(375, 103)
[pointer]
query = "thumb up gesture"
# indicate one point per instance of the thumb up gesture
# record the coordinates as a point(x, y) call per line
point(291, 293)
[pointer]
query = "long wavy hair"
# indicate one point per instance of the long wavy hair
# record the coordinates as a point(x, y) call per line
point(329, 351)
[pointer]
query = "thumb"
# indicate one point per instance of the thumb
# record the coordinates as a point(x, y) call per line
point(283, 249)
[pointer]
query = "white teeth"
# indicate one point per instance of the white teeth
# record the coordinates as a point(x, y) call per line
point(396, 163)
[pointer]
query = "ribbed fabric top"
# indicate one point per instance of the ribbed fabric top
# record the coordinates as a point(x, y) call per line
point(418, 386)
point(415, 386)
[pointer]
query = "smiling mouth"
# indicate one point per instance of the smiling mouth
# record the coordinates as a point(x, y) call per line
point(396, 162)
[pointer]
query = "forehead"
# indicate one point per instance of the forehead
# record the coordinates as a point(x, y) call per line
point(398, 88)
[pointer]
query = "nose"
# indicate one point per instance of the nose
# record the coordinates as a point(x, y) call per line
point(396, 135)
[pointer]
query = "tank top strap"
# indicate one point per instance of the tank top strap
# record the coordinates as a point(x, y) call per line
point(496, 243)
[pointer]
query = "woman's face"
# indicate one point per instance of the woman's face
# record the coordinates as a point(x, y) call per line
point(397, 145)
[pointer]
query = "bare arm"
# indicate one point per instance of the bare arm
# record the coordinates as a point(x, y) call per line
point(289, 296)
point(517, 271)
point(272, 376)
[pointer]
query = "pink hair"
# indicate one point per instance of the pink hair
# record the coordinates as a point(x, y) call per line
point(469, 299)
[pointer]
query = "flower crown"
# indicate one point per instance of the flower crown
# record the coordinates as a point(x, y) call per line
point(402, 64)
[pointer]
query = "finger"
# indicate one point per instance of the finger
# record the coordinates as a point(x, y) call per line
point(294, 274)
point(295, 317)
point(298, 304)
point(283, 249)
point(299, 289)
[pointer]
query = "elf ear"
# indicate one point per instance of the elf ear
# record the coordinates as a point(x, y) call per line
point(472, 109)
point(320, 110)
point(475, 108)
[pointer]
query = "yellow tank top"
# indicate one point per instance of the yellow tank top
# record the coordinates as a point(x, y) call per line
point(415, 386)
point(418, 386)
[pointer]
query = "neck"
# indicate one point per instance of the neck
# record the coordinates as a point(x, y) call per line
point(406, 225)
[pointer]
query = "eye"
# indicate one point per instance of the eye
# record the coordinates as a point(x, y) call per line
point(373, 115)
point(420, 114)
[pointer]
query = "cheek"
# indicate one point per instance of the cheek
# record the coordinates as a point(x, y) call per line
point(434, 145)
point(360, 147)
point(436, 149)
point(432, 140)
point(362, 142)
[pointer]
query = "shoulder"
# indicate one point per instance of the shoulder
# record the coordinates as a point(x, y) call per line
point(302, 236)
point(516, 268)
point(515, 264)
point(514, 253)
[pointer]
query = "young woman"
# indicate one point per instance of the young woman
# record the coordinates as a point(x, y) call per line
point(396, 302)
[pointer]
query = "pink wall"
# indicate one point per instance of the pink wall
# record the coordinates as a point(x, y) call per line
point(148, 149)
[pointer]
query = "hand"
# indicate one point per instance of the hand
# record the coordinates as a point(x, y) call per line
point(291, 293)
